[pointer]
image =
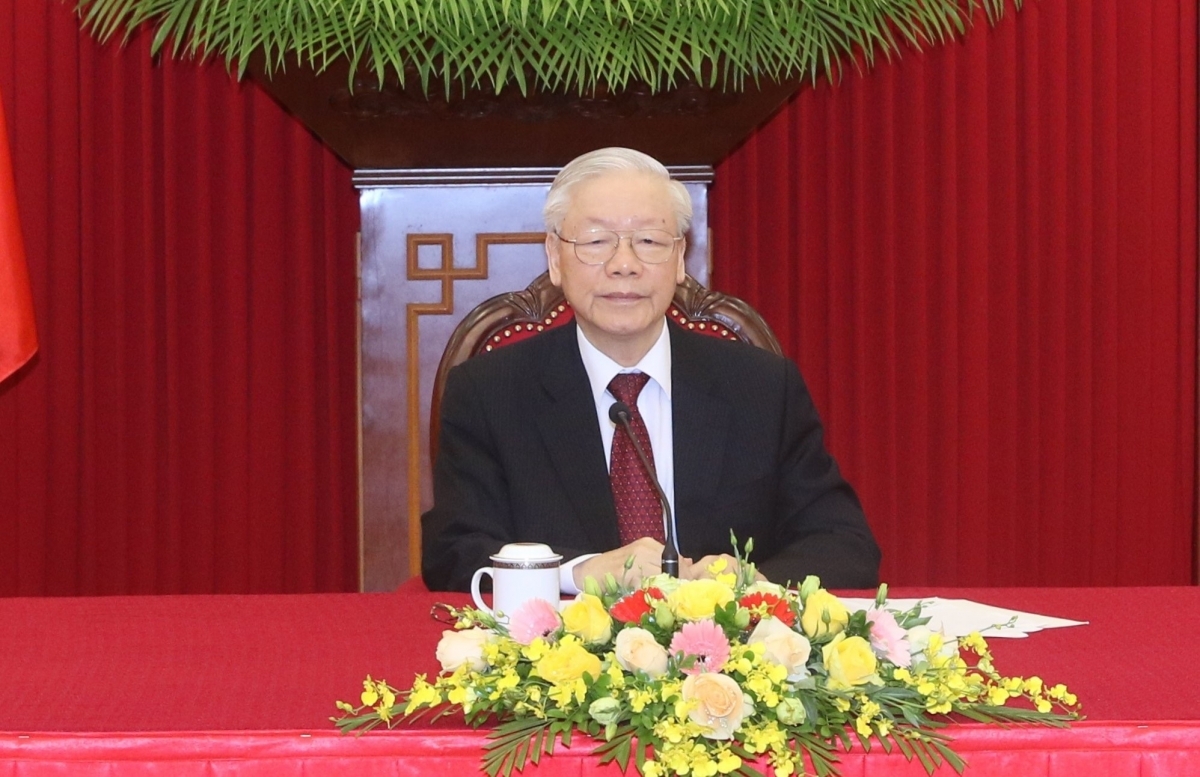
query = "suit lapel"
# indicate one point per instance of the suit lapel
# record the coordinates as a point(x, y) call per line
point(700, 417)
point(571, 434)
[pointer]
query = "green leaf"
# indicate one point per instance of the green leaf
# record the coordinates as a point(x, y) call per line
point(512, 743)
point(574, 45)
point(954, 759)
point(919, 748)
point(538, 743)
point(819, 751)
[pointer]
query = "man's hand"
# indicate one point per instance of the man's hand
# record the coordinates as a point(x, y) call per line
point(699, 569)
point(647, 560)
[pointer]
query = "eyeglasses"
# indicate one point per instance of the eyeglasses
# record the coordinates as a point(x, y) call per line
point(597, 246)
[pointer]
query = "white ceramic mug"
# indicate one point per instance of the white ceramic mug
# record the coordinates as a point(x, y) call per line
point(520, 571)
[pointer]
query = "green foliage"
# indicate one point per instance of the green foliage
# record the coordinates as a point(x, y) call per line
point(786, 694)
point(547, 45)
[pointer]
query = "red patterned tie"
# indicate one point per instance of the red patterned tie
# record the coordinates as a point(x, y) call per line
point(639, 513)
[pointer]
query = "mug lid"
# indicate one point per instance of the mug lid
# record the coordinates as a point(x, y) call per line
point(526, 551)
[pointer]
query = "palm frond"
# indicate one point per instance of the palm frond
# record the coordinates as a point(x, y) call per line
point(546, 45)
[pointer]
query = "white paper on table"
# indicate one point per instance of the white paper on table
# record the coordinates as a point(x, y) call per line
point(959, 617)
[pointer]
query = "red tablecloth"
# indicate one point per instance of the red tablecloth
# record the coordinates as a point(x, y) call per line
point(128, 685)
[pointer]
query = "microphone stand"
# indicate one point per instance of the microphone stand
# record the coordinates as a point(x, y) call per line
point(619, 414)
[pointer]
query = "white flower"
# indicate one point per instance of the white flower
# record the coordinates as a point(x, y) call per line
point(463, 648)
point(922, 638)
point(918, 639)
point(766, 587)
point(717, 703)
point(783, 646)
point(637, 651)
point(663, 582)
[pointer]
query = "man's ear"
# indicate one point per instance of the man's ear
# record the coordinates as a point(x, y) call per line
point(552, 259)
point(681, 268)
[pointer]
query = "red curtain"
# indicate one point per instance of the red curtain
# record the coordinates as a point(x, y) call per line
point(984, 259)
point(189, 422)
point(18, 330)
point(983, 256)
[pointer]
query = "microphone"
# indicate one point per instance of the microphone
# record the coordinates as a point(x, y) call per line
point(619, 414)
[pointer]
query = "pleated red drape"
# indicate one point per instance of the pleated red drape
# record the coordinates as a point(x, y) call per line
point(189, 422)
point(984, 258)
point(18, 329)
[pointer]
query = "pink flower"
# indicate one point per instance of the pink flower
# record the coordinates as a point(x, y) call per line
point(535, 618)
point(888, 640)
point(704, 640)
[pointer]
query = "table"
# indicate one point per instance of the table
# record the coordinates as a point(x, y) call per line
point(214, 685)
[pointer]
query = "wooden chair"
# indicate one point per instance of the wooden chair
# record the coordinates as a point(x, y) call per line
point(517, 315)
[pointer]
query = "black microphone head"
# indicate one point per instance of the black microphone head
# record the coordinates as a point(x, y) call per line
point(619, 413)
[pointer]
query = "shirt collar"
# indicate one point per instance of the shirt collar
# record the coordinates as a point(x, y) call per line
point(601, 369)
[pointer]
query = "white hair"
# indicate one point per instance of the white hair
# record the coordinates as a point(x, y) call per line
point(607, 160)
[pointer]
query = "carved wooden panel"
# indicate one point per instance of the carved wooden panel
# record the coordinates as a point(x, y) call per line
point(430, 253)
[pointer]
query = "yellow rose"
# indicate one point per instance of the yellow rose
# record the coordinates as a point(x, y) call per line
point(587, 619)
point(638, 651)
point(824, 614)
point(697, 599)
point(850, 662)
point(566, 663)
point(463, 648)
point(717, 703)
point(782, 646)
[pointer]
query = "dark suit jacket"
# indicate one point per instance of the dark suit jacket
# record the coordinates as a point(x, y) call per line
point(520, 459)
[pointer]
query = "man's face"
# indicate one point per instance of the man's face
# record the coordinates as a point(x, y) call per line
point(619, 304)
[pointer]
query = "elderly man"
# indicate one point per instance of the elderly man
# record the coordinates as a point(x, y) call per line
point(528, 452)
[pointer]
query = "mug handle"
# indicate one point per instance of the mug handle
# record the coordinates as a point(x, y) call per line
point(475, 578)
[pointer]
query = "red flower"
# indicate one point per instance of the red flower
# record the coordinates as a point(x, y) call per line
point(762, 605)
point(631, 608)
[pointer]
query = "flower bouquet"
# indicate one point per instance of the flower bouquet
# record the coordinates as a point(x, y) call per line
point(708, 677)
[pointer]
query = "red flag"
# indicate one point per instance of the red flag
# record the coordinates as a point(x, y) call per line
point(18, 336)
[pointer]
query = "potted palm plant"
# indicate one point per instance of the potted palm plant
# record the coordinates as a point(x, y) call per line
point(417, 80)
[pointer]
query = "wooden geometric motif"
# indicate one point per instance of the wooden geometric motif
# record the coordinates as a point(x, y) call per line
point(447, 273)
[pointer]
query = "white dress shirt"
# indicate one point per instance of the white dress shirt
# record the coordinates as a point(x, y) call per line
point(654, 404)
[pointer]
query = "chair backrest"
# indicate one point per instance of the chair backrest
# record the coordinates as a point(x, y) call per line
point(517, 315)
